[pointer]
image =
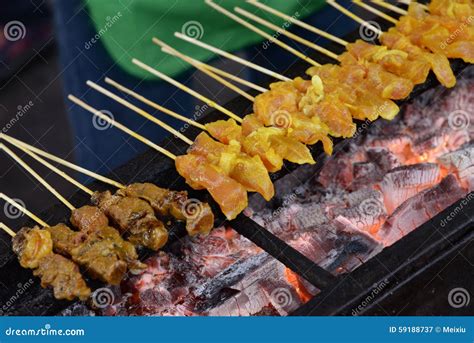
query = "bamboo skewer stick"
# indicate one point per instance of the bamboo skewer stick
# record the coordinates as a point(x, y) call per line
point(286, 33)
point(261, 33)
point(7, 230)
point(188, 90)
point(37, 176)
point(390, 7)
point(222, 73)
point(53, 168)
point(153, 104)
point(204, 70)
point(125, 129)
point(354, 17)
point(231, 56)
point(23, 209)
point(139, 111)
point(375, 11)
point(64, 162)
point(298, 22)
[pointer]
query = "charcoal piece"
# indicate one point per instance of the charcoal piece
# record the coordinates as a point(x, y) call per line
point(383, 158)
point(404, 182)
point(364, 209)
point(282, 296)
point(398, 144)
point(312, 245)
point(365, 173)
point(230, 276)
point(425, 143)
point(461, 162)
point(419, 209)
point(260, 288)
point(362, 244)
point(310, 216)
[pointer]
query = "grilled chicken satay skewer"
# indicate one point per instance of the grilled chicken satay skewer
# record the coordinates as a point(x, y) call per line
point(230, 56)
point(261, 33)
point(166, 203)
point(275, 144)
point(204, 70)
point(230, 195)
point(249, 171)
point(305, 130)
point(54, 270)
point(396, 40)
point(133, 216)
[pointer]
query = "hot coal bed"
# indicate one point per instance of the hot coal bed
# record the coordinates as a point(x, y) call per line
point(353, 234)
point(379, 187)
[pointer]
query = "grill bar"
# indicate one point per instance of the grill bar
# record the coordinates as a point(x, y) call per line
point(284, 253)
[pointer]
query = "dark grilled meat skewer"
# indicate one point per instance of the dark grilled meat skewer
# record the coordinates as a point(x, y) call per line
point(34, 248)
point(167, 203)
point(134, 217)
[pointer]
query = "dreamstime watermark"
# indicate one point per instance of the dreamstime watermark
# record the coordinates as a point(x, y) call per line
point(199, 111)
point(369, 31)
point(193, 29)
point(12, 212)
point(281, 297)
point(371, 207)
point(459, 120)
point(281, 119)
point(21, 289)
point(459, 297)
point(110, 21)
point(376, 290)
point(458, 209)
point(290, 199)
point(266, 44)
point(14, 31)
point(103, 297)
point(100, 123)
point(21, 111)
point(192, 208)
point(455, 34)
point(45, 331)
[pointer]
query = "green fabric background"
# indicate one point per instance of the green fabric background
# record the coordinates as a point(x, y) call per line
point(127, 26)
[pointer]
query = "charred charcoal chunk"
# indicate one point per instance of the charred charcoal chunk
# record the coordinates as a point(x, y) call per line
point(404, 182)
point(419, 209)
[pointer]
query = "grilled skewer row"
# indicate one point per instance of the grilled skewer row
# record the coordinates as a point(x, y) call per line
point(99, 248)
point(293, 113)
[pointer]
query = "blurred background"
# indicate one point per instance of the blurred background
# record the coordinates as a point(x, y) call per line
point(49, 49)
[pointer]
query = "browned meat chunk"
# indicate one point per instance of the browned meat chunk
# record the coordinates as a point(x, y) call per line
point(64, 276)
point(34, 250)
point(135, 217)
point(100, 257)
point(88, 218)
point(198, 215)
